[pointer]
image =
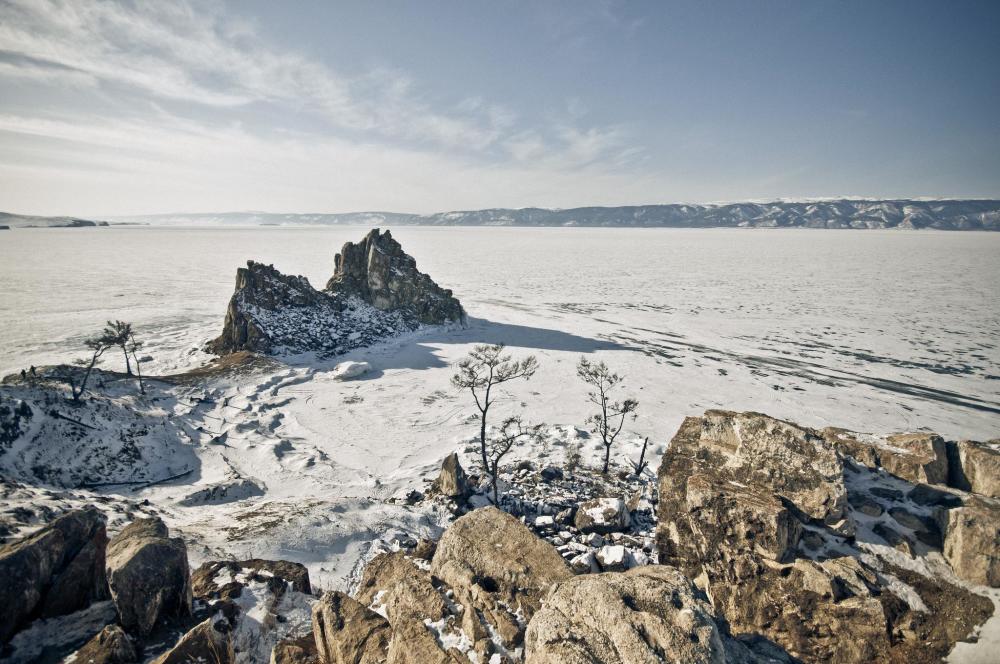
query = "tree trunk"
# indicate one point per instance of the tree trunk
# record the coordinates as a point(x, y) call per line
point(482, 440)
point(607, 458)
point(128, 365)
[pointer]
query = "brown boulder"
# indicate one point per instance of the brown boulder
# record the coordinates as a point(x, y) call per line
point(204, 643)
point(452, 481)
point(975, 467)
point(972, 540)
point(111, 646)
point(148, 575)
point(647, 615)
point(348, 633)
point(57, 570)
point(301, 650)
point(403, 590)
point(499, 570)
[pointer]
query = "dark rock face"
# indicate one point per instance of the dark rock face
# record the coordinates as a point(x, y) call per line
point(57, 570)
point(763, 514)
point(376, 292)
point(148, 575)
point(379, 272)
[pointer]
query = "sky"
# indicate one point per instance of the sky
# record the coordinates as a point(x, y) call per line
point(111, 108)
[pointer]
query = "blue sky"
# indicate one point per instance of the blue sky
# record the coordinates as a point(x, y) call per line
point(116, 108)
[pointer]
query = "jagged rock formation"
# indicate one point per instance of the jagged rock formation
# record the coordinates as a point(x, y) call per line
point(205, 643)
point(148, 575)
point(376, 292)
point(111, 646)
point(56, 571)
point(780, 526)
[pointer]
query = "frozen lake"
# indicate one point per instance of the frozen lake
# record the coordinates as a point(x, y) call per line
point(873, 330)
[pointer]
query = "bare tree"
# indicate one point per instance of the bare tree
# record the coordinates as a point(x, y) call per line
point(97, 347)
point(133, 348)
point(641, 464)
point(511, 432)
point(610, 419)
point(117, 333)
point(481, 372)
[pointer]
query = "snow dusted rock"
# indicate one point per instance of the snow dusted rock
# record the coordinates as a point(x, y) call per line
point(300, 650)
point(55, 571)
point(348, 370)
point(650, 614)
point(376, 292)
point(452, 481)
point(914, 457)
point(602, 515)
point(205, 643)
point(379, 272)
point(348, 633)
point(742, 500)
point(613, 558)
point(975, 467)
point(499, 571)
point(972, 540)
point(225, 578)
point(148, 575)
point(394, 586)
point(224, 492)
point(111, 646)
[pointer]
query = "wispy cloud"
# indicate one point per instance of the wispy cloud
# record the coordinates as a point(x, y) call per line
point(182, 77)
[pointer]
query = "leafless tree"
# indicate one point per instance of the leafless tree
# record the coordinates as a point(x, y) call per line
point(641, 464)
point(133, 348)
point(511, 432)
point(117, 333)
point(609, 420)
point(481, 373)
point(97, 347)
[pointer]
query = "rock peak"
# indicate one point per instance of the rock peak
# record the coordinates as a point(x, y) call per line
point(376, 292)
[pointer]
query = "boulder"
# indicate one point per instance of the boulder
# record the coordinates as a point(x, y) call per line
point(225, 579)
point(300, 650)
point(148, 575)
point(975, 467)
point(204, 643)
point(498, 570)
point(452, 481)
point(971, 536)
point(376, 292)
point(57, 570)
point(915, 457)
point(400, 589)
point(603, 516)
point(612, 558)
point(111, 646)
point(348, 633)
point(647, 615)
point(751, 449)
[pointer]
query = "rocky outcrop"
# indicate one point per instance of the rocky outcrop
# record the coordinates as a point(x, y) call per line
point(452, 481)
point(148, 575)
point(225, 579)
point(111, 646)
point(972, 540)
point(55, 571)
point(376, 292)
point(301, 650)
point(761, 514)
point(975, 467)
point(379, 272)
point(498, 569)
point(347, 632)
point(649, 614)
point(602, 515)
point(205, 643)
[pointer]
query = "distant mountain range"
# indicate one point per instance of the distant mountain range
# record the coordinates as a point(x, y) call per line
point(837, 213)
point(8, 220)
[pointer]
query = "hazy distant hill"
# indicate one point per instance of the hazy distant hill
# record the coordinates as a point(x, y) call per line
point(28, 221)
point(841, 213)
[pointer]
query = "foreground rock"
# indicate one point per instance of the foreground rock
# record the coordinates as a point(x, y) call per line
point(498, 569)
point(205, 643)
point(55, 571)
point(376, 292)
point(649, 614)
point(111, 646)
point(348, 633)
point(759, 511)
point(148, 575)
